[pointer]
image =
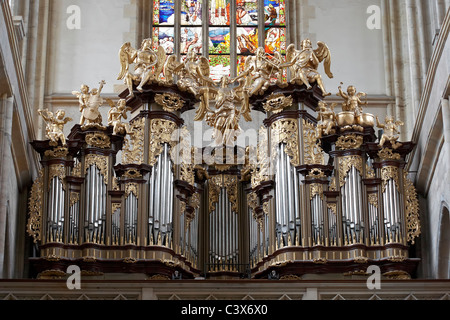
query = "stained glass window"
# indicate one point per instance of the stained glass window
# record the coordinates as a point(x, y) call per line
point(224, 31)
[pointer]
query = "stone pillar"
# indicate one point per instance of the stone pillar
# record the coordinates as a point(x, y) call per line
point(446, 122)
point(6, 113)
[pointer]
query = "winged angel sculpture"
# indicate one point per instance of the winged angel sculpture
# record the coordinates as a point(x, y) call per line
point(303, 64)
point(226, 116)
point(148, 64)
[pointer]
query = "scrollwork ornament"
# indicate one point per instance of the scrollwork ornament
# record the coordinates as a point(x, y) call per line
point(230, 183)
point(115, 206)
point(76, 171)
point(261, 171)
point(313, 152)
point(57, 152)
point(131, 187)
point(133, 149)
point(373, 199)
point(412, 210)
point(276, 103)
point(214, 185)
point(57, 170)
point(35, 208)
point(345, 164)
point(74, 198)
point(169, 101)
point(286, 131)
point(316, 189)
point(388, 154)
point(351, 141)
point(161, 132)
point(332, 207)
point(101, 162)
point(388, 173)
point(98, 140)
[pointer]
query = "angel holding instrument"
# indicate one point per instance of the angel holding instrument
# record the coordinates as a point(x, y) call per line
point(55, 125)
point(261, 69)
point(90, 101)
point(352, 100)
point(390, 132)
point(304, 63)
point(116, 114)
point(148, 64)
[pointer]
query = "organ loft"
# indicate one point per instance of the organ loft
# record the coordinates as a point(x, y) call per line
point(323, 191)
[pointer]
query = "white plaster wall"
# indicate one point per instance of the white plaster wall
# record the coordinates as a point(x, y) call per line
point(438, 194)
point(357, 51)
point(89, 54)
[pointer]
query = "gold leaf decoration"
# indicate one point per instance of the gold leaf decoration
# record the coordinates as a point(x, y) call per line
point(169, 101)
point(412, 210)
point(57, 170)
point(216, 183)
point(58, 152)
point(286, 131)
point(35, 208)
point(101, 162)
point(351, 141)
point(276, 102)
point(131, 187)
point(98, 140)
point(313, 153)
point(345, 164)
point(133, 149)
point(160, 133)
point(388, 173)
point(388, 154)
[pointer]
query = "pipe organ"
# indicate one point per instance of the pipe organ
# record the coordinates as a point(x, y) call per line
point(307, 200)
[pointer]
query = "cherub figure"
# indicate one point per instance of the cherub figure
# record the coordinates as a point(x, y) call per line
point(326, 118)
point(304, 63)
point(89, 104)
point(116, 114)
point(391, 132)
point(55, 126)
point(148, 64)
point(352, 100)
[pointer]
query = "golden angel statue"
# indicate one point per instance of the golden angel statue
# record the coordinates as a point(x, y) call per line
point(148, 64)
point(390, 132)
point(326, 119)
point(189, 72)
point(225, 118)
point(116, 114)
point(55, 126)
point(260, 69)
point(304, 63)
point(352, 99)
point(89, 104)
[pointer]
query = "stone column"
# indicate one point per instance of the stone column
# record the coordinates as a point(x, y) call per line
point(6, 113)
point(446, 123)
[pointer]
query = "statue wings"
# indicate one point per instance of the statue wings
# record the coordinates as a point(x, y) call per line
point(203, 67)
point(169, 67)
point(161, 60)
point(127, 55)
point(291, 53)
point(324, 55)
